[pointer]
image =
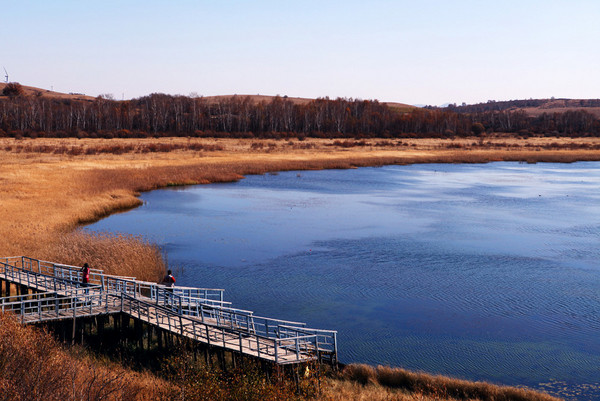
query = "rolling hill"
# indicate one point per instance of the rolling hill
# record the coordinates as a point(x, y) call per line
point(33, 91)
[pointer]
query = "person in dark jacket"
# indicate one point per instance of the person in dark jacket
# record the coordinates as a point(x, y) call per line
point(169, 280)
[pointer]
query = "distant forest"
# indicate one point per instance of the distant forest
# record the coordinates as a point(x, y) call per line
point(492, 105)
point(239, 116)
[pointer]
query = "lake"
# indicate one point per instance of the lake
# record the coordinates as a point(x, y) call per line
point(483, 272)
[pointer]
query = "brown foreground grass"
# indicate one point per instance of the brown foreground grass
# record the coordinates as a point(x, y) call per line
point(35, 367)
point(386, 383)
point(50, 187)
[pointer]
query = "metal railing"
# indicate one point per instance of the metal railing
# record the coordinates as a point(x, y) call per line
point(118, 284)
point(51, 305)
point(289, 349)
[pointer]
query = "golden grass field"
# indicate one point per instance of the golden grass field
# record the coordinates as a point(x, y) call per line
point(50, 187)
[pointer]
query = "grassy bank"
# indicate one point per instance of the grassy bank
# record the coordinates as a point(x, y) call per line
point(384, 383)
point(50, 187)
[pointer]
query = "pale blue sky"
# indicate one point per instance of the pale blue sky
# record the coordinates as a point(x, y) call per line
point(427, 52)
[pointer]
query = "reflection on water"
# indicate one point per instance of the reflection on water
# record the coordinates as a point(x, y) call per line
point(478, 271)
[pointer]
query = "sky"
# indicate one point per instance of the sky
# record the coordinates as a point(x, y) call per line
point(416, 52)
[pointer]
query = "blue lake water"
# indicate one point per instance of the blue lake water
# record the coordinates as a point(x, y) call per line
point(484, 272)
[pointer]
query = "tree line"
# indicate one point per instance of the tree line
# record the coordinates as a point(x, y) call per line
point(240, 116)
point(493, 105)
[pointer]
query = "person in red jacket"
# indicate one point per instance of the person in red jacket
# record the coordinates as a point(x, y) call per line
point(85, 275)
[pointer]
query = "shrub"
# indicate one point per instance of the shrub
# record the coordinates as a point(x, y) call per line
point(13, 89)
point(478, 129)
point(360, 373)
point(448, 133)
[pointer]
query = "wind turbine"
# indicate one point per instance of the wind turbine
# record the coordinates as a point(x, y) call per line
point(5, 76)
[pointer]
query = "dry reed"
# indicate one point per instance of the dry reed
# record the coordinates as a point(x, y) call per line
point(343, 390)
point(119, 254)
point(35, 367)
point(436, 387)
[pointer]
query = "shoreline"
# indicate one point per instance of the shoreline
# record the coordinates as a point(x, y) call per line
point(52, 186)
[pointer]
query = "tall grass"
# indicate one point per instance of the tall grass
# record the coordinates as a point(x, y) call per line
point(114, 149)
point(438, 387)
point(34, 367)
point(119, 254)
point(197, 381)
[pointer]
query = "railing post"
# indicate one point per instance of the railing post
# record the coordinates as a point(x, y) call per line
point(241, 348)
point(276, 353)
point(317, 347)
point(335, 350)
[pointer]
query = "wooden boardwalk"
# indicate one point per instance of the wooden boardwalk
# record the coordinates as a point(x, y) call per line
point(52, 292)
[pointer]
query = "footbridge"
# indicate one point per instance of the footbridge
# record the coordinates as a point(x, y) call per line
point(47, 292)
